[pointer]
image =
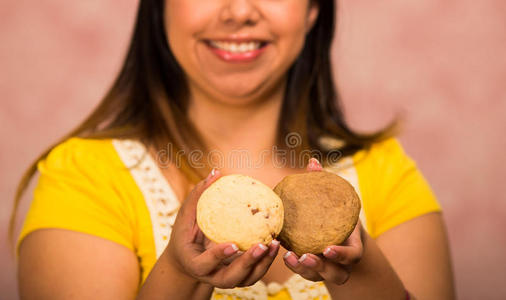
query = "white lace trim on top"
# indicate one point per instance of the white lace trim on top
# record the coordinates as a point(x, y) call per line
point(163, 206)
point(160, 199)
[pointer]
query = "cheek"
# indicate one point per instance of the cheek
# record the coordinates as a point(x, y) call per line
point(289, 27)
point(176, 22)
point(184, 20)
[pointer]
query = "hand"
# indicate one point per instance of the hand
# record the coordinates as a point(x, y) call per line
point(335, 265)
point(220, 265)
point(337, 261)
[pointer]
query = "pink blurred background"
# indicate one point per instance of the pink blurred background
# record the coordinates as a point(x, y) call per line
point(441, 63)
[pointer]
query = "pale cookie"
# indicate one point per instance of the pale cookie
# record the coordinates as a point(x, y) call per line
point(321, 209)
point(240, 209)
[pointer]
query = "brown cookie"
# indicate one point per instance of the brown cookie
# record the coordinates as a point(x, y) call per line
point(321, 209)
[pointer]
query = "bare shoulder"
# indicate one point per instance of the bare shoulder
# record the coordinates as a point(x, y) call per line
point(62, 264)
point(418, 251)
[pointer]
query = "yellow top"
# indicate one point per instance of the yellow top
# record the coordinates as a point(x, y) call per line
point(85, 186)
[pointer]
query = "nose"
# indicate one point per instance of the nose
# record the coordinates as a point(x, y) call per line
point(240, 12)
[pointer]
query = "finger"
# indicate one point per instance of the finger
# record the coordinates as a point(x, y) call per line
point(325, 268)
point(187, 212)
point(312, 262)
point(190, 202)
point(293, 263)
point(314, 165)
point(348, 254)
point(236, 273)
point(203, 264)
point(344, 255)
point(355, 238)
point(230, 259)
point(263, 265)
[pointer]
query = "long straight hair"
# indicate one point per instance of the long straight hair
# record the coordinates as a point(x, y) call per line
point(149, 98)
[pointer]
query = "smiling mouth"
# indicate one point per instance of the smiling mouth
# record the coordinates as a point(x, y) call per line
point(237, 47)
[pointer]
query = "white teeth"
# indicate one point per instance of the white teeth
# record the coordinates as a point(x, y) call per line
point(236, 47)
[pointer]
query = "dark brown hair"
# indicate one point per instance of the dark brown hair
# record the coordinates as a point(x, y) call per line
point(148, 99)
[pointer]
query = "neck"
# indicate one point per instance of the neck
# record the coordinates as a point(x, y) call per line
point(228, 127)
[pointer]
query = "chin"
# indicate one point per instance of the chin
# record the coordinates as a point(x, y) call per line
point(234, 93)
point(238, 100)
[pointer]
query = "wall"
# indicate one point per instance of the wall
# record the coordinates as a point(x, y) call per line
point(441, 64)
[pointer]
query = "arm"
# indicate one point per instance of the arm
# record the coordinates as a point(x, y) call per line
point(354, 270)
point(164, 277)
point(423, 260)
point(413, 255)
point(416, 252)
point(191, 266)
point(371, 278)
point(61, 264)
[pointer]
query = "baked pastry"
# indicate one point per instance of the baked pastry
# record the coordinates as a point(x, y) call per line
point(321, 209)
point(240, 209)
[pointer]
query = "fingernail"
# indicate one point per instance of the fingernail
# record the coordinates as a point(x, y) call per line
point(313, 160)
point(290, 259)
point(307, 261)
point(230, 250)
point(330, 253)
point(275, 244)
point(211, 175)
point(259, 250)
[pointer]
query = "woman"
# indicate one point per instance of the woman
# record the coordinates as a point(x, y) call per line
point(204, 78)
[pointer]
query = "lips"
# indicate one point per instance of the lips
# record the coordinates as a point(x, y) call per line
point(237, 47)
point(237, 51)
